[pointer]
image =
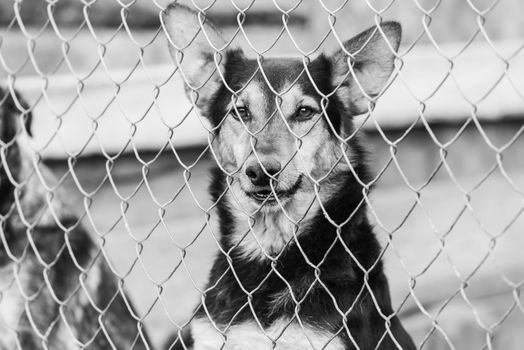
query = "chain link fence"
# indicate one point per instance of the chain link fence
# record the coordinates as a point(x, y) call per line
point(112, 248)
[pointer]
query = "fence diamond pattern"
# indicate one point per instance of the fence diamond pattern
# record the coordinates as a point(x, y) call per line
point(128, 140)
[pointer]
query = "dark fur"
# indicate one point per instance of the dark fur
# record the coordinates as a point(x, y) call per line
point(63, 275)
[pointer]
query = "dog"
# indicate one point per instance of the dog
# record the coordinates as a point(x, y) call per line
point(56, 290)
point(299, 266)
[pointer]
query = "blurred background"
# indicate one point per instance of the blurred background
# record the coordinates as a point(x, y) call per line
point(112, 121)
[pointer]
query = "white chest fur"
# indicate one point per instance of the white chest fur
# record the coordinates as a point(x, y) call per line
point(269, 231)
point(250, 336)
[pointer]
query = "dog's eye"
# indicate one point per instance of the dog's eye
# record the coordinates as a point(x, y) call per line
point(304, 113)
point(240, 113)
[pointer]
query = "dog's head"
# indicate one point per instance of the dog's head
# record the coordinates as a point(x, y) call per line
point(279, 122)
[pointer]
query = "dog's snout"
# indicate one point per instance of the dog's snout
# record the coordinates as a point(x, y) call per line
point(255, 172)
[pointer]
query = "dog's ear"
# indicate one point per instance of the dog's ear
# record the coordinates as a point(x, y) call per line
point(372, 60)
point(195, 44)
point(14, 112)
point(14, 115)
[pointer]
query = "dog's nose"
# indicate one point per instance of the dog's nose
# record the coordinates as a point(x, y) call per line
point(258, 176)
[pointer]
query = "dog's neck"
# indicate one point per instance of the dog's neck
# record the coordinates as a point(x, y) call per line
point(267, 233)
point(271, 235)
point(335, 247)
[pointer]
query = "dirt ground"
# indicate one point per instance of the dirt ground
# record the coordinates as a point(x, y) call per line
point(453, 257)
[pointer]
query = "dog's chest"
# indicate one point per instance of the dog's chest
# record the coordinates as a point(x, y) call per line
point(249, 335)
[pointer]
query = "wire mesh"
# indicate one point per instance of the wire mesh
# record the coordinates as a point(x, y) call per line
point(113, 251)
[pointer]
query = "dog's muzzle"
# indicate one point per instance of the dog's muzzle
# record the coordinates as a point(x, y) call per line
point(266, 195)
